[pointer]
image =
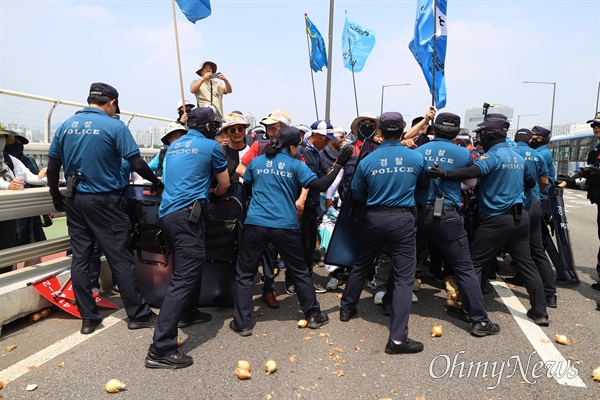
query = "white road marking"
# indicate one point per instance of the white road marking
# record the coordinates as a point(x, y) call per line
point(536, 336)
point(19, 369)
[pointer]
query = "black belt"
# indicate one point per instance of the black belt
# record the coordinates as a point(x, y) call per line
point(431, 206)
point(391, 209)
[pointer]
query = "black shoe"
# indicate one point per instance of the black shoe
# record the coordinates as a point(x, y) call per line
point(407, 347)
point(241, 332)
point(177, 360)
point(436, 275)
point(89, 326)
point(482, 329)
point(198, 317)
point(386, 308)
point(540, 320)
point(485, 289)
point(147, 321)
point(551, 301)
point(596, 285)
point(317, 322)
point(346, 316)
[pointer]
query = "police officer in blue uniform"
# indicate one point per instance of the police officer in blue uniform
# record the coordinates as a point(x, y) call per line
point(385, 181)
point(503, 222)
point(444, 226)
point(192, 162)
point(532, 205)
point(276, 178)
point(90, 146)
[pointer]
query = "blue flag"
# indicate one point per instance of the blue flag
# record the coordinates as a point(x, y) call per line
point(430, 25)
point(357, 43)
point(195, 10)
point(318, 55)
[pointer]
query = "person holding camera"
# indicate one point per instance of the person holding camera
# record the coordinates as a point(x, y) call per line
point(207, 89)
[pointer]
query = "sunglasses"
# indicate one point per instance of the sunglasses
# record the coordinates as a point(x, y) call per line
point(595, 125)
point(367, 124)
point(234, 129)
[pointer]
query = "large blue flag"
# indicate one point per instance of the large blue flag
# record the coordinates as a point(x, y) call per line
point(357, 43)
point(430, 25)
point(195, 10)
point(318, 54)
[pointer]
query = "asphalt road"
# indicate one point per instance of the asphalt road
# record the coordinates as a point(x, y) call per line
point(339, 361)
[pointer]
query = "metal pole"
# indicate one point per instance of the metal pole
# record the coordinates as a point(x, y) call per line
point(523, 115)
point(312, 75)
point(552, 115)
point(329, 62)
point(381, 112)
point(597, 98)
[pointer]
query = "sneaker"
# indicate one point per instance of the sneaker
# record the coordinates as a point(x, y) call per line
point(319, 288)
point(281, 265)
point(415, 299)
point(198, 317)
point(386, 309)
point(317, 322)
point(407, 347)
point(115, 290)
point(174, 361)
point(290, 289)
point(417, 285)
point(333, 283)
point(241, 332)
point(482, 329)
point(378, 298)
point(147, 321)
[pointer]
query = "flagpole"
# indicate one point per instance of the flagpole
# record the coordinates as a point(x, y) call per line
point(178, 56)
point(329, 64)
point(352, 65)
point(312, 74)
point(434, 54)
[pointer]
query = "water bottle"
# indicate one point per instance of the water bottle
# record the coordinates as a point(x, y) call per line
point(20, 176)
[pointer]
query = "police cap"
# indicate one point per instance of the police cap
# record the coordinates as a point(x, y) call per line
point(391, 122)
point(105, 90)
point(540, 131)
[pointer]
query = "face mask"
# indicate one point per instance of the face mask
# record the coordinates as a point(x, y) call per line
point(2, 143)
point(366, 132)
point(488, 140)
point(534, 144)
point(15, 149)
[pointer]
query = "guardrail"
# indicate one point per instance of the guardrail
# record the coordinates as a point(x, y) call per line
point(32, 202)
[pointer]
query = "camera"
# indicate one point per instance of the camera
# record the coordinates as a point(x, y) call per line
point(215, 75)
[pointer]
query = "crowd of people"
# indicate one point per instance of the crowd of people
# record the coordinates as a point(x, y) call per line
point(430, 191)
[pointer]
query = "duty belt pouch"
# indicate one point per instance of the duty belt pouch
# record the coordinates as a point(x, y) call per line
point(517, 211)
point(438, 207)
point(71, 183)
point(196, 212)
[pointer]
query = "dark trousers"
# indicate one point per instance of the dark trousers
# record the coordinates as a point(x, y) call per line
point(449, 235)
point(536, 246)
point(100, 216)
point(309, 229)
point(289, 245)
point(502, 231)
point(189, 255)
point(598, 257)
point(96, 265)
point(269, 260)
point(396, 229)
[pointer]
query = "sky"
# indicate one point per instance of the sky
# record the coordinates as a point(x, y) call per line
point(57, 48)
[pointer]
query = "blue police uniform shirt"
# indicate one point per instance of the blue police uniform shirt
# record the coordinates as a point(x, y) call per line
point(501, 182)
point(388, 176)
point(93, 144)
point(126, 171)
point(193, 160)
point(538, 166)
point(276, 182)
point(547, 156)
point(448, 156)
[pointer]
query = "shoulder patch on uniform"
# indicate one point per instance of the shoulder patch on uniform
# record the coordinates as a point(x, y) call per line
point(483, 157)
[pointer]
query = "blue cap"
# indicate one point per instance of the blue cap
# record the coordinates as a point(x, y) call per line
point(497, 123)
point(391, 122)
point(289, 136)
point(323, 128)
point(201, 116)
point(539, 131)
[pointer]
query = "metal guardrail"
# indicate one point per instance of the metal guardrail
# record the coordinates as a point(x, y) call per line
point(32, 202)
